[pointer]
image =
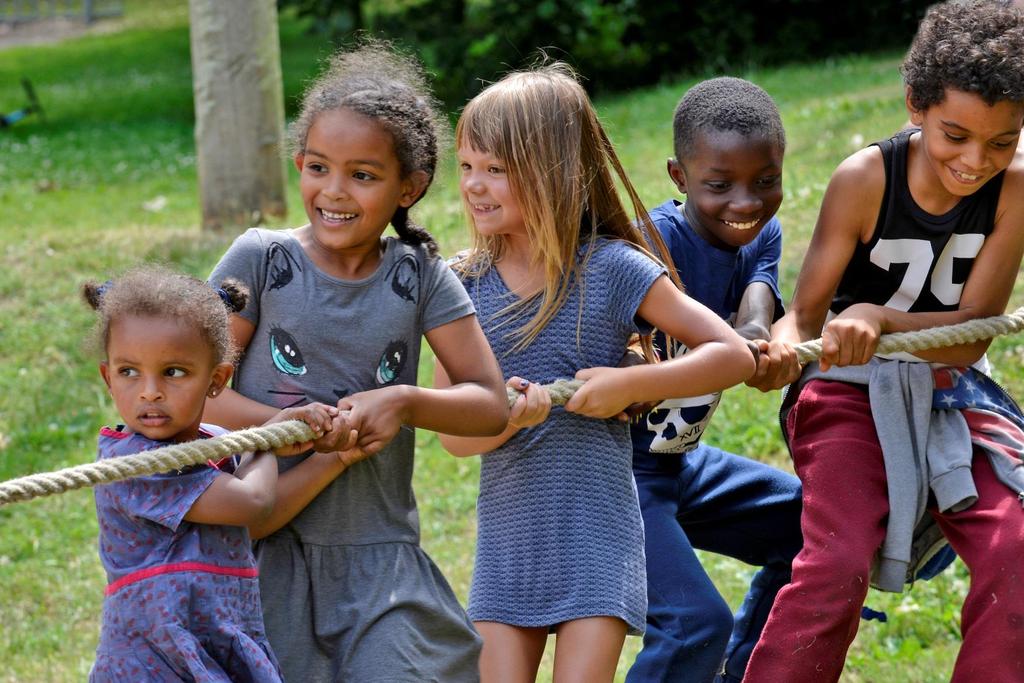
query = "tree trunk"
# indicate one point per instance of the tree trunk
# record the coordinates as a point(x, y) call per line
point(239, 103)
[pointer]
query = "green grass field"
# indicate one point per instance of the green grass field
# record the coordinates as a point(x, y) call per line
point(76, 202)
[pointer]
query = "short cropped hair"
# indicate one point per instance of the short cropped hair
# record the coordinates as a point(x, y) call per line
point(975, 47)
point(725, 104)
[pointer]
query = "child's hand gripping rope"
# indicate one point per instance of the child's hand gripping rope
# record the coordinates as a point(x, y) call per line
point(779, 364)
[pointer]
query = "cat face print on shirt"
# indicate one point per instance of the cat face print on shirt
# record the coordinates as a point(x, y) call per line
point(404, 276)
point(281, 266)
point(285, 353)
point(391, 362)
point(288, 360)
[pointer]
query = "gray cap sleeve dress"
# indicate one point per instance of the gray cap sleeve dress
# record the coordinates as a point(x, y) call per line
point(348, 594)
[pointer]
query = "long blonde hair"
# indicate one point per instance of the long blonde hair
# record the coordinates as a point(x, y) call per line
point(559, 161)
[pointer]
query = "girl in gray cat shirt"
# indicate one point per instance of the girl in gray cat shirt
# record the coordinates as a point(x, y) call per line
point(336, 316)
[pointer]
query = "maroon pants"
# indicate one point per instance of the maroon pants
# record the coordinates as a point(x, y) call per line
point(845, 508)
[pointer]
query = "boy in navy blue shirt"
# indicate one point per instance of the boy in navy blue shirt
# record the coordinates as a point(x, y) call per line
point(726, 243)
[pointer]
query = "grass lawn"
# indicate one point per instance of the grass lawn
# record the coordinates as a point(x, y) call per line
point(80, 197)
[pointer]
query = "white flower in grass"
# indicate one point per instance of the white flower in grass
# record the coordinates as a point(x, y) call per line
point(157, 203)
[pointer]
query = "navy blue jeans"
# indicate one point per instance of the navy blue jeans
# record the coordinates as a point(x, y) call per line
point(723, 503)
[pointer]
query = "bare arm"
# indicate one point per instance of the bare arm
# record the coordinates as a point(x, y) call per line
point(756, 311)
point(753, 323)
point(717, 358)
point(475, 403)
point(531, 408)
point(990, 284)
point(852, 336)
point(248, 496)
point(297, 487)
point(848, 213)
point(230, 409)
point(302, 483)
point(239, 499)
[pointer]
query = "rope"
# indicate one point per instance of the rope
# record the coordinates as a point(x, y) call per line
point(165, 459)
point(932, 338)
point(182, 455)
point(179, 456)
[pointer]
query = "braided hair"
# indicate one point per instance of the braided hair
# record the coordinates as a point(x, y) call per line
point(376, 81)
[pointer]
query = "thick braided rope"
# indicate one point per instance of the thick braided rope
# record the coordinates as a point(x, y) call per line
point(561, 391)
point(179, 456)
point(166, 459)
point(934, 337)
point(182, 455)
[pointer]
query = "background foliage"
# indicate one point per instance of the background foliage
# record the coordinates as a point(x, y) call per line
point(616, 43)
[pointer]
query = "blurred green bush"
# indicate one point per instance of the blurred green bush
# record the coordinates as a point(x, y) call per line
point(616, 44)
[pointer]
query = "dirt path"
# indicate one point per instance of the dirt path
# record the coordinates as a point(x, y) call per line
point(46, 31)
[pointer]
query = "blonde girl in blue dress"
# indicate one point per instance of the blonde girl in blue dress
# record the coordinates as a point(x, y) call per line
point(562, 278)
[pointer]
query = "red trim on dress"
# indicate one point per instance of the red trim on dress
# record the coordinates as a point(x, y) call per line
point(175, 567)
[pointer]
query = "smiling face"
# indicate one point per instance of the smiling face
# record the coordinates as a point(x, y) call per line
point(350, 180)
point(487, 194)
point(964, 141)
point(733, 186)
point(159, 373)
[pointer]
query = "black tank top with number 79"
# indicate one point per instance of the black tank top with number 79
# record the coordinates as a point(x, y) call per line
point(916, 261)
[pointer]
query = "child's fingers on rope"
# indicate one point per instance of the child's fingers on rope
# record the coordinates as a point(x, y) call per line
point(777, 366)
point(531, 407)
point(852, 337)
point(340, 436)
point(603, 394)
point(517, 384)
point(318, 416)
point(847, 342)
point(377, 414)
point(374, 435)
point(829, 350)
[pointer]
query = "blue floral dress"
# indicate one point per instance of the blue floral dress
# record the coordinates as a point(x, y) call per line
point(182, 600)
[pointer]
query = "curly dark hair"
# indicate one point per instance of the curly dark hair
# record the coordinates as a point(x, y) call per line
point(725, 103)
point(382, 84)
point(976, 47)
point(156, 291)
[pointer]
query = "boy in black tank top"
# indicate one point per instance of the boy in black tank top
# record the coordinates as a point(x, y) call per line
point(921, 230)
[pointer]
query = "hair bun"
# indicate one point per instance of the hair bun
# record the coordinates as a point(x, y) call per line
point(93, 293)
point(234, 293)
